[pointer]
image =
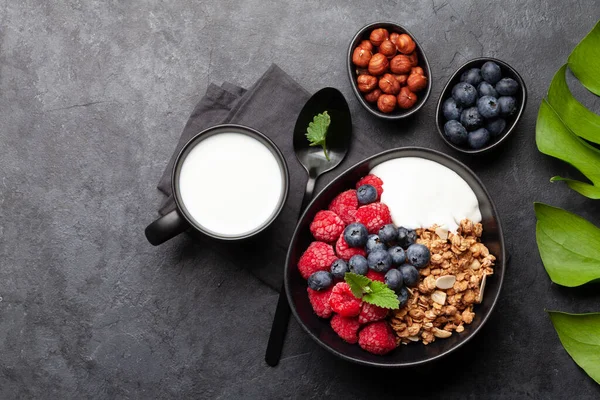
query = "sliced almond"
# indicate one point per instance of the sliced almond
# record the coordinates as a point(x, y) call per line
point(442, 232)
point(413, 338)
point(481, 289)
point(440, 333)
point(439, 297)
point(475, 264)
point(445, 282)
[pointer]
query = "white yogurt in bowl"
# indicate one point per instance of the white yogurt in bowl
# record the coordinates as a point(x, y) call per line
point(421, 193)
point(230, 184)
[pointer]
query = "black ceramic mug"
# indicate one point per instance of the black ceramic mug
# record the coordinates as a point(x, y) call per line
point(181, 218)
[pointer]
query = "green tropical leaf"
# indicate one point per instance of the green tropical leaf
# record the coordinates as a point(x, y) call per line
point(584, 61)
point(585, 189)
point(580, 336)
point(569, 246)
point(554, 139)
point(578, 119)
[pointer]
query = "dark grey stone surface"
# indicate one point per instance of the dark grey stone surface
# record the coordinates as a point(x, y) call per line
point(93, 97)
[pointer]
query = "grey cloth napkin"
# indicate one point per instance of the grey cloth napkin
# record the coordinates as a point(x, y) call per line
point(270, 106)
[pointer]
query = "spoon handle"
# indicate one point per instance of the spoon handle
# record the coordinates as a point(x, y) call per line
point(282, 313)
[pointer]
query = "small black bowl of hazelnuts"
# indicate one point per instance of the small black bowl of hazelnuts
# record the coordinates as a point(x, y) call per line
point(389, 72)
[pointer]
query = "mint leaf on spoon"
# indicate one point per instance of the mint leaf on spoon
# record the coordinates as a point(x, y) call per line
point(316, 132)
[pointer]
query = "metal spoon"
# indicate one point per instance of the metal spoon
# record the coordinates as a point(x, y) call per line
point(315, 163)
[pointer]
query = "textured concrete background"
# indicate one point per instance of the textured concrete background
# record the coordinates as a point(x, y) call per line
point(93, 97)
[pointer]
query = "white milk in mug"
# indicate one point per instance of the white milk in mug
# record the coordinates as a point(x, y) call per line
point(230, 184)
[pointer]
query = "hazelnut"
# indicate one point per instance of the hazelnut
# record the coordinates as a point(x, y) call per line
point(416, 82)
point(366, 83)
point(378, 36)
point(388, 84)
point(372, 97)
point(365, 44)
point(378, 64)
point(401, 79)
point(394, 38)
point(400, 64)
point(386, 103)
point(417, 70)
point(405, 44)
point(414, 59)
point(387, 48)
point(361, 57)
point(406, 98)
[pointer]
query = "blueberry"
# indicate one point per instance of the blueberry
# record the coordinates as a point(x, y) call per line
point(464, 93)
point(486, 89)
point(490, 72)
point(402, 296)
point(451, 110)
point(455, 132)
point(479, 138)
point(339, 268)
point(507, 87)
point(406, 237)
point(410, 275)
point(418, 255)
point(356, 235)
point(366, 194)
point(398, 255)
point(374, 243)
point(393, 278)
point(388, 234)
point(358, 264)
point(472, 76)
point(487, 106)
point(320, 280)
point(379, 260)
point(508, 105)
point(496, 126)
point(471, 119)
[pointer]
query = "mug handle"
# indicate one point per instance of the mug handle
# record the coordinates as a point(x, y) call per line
point(166, 227)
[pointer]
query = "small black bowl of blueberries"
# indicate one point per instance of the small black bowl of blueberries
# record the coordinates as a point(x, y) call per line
point(480, 105)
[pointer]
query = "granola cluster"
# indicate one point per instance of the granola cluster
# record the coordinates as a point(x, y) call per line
point(448, 288)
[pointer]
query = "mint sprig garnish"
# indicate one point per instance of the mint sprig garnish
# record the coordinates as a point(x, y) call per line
point(317, 131)
point(372, 292)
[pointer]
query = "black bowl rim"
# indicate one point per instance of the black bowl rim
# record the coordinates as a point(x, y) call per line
point(508, 131)
point(325, 189)
point(357, 93)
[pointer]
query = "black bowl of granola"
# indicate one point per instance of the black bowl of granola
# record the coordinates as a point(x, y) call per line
point(443, 338)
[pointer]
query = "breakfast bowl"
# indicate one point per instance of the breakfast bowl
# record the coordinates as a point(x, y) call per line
point(510, 121)
point(420, 83)
point(319, 329)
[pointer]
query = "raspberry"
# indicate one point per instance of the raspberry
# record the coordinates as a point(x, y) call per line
point(371, 313)
point(374, 216)
point(371, 180)
point(319, 300)
point(375, 276)
point(346, 328)
point(326, 226)
point(377, 338)
point(318, 257)
point(345, 252)
point(343, 302)
point(345, 205)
